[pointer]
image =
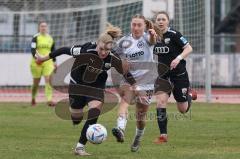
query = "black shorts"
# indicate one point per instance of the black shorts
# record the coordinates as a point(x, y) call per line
point(79, 102)
point(179, 83)
point(81, 95)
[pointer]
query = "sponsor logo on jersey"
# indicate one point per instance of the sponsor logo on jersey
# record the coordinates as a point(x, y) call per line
point(140, 44)
point(43, 46)
point(94, 69)
point(184, 41)
point(125, 44)
point(137, 54)
point(167, 40)
point(161, 50)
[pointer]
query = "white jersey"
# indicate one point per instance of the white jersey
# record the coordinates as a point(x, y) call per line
point(139, 53)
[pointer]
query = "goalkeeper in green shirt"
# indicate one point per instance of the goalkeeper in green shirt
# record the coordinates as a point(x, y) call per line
point(42, 43)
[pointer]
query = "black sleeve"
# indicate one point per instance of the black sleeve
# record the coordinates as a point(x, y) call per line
point(58, 52)
point(52, 49)
point(180, 40)
point(74, 51)
point(34, 46)
point(117, 64)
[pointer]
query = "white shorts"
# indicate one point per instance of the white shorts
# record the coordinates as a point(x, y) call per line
point(142, 96)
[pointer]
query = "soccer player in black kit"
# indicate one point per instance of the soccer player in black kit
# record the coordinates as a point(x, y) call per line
point(172, 49)
point(88, 78)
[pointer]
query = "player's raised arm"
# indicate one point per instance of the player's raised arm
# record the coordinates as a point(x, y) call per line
point(152, 37)
point(186, 49)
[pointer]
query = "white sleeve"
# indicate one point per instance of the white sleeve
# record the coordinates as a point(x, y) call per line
point(118, 49)
point(146, 38)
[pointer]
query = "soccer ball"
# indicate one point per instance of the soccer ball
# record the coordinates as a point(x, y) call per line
point(96, 133)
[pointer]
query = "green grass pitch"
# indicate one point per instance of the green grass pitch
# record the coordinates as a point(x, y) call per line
point(211, 131)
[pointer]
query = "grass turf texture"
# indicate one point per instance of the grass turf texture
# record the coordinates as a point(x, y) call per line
point(210, 132)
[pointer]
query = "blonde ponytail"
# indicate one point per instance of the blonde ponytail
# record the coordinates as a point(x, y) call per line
point(111, 33)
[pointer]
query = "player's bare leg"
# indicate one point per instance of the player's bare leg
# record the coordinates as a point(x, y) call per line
point(49, 91)
point(184, 107)
point(35, 90)
point(126, 97)
point(141, 112)
point(93, 114)
point(118, 132)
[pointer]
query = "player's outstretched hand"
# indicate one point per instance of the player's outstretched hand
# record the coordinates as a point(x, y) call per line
point(152, 32)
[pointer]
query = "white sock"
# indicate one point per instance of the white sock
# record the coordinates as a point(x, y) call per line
point(80, 145)
point(139, 132)
point(122, 122)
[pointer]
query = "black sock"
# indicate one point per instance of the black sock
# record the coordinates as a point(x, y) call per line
point(93, 115)
point(189, 103)
point(162, 120)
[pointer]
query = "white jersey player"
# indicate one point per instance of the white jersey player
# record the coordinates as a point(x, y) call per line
point(137, 49)
point(138, 52)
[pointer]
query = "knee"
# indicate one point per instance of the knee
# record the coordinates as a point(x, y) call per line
point(126, 99)
point(182, 111)
point(95, 104)
point(161, 103)
point(182, 107)
point(47, 79)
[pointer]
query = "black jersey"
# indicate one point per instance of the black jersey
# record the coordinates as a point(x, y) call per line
point(170, 47)
point(88, 69)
